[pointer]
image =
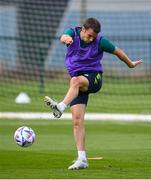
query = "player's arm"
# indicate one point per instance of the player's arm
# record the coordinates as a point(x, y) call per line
point(123, 57)
point(67, 36)
point(108, 46)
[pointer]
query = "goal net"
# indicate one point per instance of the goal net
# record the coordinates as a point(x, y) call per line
point(32, 57)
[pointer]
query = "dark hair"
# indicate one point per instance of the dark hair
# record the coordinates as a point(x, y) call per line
point(93, 24)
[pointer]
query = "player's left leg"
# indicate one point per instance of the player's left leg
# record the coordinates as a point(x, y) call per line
point(54, 106)
point(76, 83)
point(78, 112)
point(90, 82)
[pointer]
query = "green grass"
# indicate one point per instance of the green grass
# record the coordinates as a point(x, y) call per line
point(115, 96)
point(125, 148)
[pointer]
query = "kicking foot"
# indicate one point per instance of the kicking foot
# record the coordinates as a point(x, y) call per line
point(50, 102)
point(53, 105)
point(79, 164)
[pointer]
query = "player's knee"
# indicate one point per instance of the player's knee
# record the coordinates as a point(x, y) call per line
point(77, 120)
point(74, 82)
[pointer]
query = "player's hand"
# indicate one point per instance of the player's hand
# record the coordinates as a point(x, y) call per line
point(66, 39)
point(137, 62)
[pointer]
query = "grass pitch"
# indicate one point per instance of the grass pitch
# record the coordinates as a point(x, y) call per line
point(125, 148)
point(116, 96)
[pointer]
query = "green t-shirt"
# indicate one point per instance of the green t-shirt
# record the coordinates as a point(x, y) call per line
point(104, 44)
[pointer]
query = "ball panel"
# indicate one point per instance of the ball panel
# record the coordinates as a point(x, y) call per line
point(24, 136)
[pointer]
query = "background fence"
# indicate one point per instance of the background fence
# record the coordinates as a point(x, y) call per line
point(32, 58)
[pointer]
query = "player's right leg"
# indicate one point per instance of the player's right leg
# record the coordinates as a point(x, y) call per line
point(78, 112)
point(79, 164)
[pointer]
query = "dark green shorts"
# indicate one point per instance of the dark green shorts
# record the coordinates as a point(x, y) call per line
point(95, 84)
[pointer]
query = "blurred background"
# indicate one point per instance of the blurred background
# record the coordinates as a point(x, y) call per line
point(32, 58)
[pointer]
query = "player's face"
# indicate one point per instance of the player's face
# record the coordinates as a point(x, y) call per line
point(88, 35)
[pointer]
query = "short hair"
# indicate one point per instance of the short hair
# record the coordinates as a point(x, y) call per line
point(93, 24)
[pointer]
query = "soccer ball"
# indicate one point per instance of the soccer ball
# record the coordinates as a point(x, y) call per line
point(24, 136)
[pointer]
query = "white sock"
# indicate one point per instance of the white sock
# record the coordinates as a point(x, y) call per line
point(82, 155)
point(61, 106)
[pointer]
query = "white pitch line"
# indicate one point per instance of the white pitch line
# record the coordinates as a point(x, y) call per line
point(88, 116)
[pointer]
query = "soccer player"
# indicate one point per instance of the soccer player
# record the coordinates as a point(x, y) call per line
point(85, 48)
